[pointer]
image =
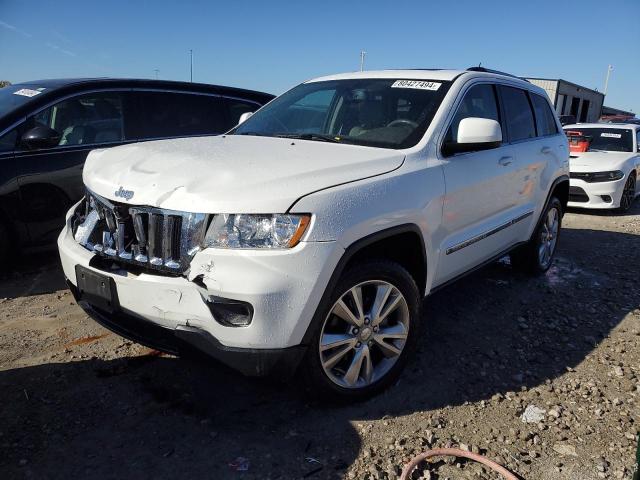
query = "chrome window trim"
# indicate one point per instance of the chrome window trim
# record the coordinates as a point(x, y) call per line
point(482, 236)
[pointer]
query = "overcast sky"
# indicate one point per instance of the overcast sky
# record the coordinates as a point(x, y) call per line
point(273, 45)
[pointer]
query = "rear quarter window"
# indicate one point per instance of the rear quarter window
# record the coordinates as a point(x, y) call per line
point(174, 114)
point(545, 118)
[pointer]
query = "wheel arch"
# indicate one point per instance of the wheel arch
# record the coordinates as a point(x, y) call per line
point(560, 189)
point(379, 245)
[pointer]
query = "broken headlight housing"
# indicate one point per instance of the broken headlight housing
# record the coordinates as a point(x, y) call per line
point(256, 230)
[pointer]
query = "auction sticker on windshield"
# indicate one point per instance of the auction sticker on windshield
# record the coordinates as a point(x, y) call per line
point(27, 92)
point(419, 84)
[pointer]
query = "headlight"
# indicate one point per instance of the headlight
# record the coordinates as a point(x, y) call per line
point(592, 177)
point(255, 231)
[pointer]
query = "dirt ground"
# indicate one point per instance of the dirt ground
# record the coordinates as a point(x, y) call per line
point(79, 402)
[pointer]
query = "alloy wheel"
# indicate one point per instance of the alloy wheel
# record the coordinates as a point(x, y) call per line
point(364, 334)
point(548, 237)
point(628, 194)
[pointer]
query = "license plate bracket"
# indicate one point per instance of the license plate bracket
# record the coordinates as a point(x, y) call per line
point(96, 289)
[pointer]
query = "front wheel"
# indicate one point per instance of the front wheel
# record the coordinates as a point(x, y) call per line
point(366, 332)
point(536, 256)
point(628, 194)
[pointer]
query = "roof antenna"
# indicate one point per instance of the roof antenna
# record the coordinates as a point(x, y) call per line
point(479, 64)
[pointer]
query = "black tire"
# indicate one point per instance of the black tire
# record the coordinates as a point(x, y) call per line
point(312, 373)
point(629, 193)
point(528, 258)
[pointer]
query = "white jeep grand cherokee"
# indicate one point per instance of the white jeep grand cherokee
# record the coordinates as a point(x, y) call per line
point(304, 239)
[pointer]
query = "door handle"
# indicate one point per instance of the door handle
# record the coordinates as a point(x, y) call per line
point(504, 161)
point(546, 150)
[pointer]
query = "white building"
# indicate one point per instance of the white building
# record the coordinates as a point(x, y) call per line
point(568, 98)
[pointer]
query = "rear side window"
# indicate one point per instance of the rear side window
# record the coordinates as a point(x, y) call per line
point(545, 118)
point(237, 107)
point(519, 117)
point(479, 102)
point(169, 114)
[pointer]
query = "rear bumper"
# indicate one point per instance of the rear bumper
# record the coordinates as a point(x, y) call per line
point(282, 362)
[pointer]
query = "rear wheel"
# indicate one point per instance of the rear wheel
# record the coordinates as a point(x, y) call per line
point(367, 331)
point(628, 194)
point(537, 255)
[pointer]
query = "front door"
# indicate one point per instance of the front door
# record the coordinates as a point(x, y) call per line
point(481, 194)
point(50, 179)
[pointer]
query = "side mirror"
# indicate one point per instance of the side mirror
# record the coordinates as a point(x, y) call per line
point(40, 137)
point(475, 134)
point(244, 117)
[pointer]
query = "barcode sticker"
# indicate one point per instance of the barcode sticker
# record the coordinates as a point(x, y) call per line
point(27, 92)
point(417, 84)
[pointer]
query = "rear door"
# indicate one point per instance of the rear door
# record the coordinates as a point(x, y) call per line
point(480, 199)
point(550, 151)
point(50, 179)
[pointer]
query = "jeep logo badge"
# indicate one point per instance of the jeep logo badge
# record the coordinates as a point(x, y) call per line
point(126, 194)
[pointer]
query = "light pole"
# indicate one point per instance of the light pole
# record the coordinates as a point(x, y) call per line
point(362, 54)
point(606, 82)
point(156, 71)
point(191, 66)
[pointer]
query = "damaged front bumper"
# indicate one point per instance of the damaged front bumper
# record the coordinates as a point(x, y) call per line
point(281, 290)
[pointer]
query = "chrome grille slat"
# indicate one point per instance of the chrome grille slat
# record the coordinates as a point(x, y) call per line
point(150, 237)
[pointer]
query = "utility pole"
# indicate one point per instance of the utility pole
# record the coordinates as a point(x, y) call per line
point(362, 54)
point(191, 66)
point(156, 71)
point(606, 82)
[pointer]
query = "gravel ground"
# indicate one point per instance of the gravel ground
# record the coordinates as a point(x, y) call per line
point(80, 402)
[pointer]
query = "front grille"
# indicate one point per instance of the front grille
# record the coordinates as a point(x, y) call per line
point(153, 238)
point(577, 194)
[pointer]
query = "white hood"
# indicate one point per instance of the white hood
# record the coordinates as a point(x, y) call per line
point(598, 161)
point(230, 174)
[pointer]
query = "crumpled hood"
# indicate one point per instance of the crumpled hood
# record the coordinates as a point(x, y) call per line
point(598, 161)
point(229, 174)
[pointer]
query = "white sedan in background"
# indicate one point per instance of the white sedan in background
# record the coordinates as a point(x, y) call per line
point(604, 163)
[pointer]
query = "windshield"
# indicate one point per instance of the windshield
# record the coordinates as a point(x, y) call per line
point(600, 139)
point(388, 113)
point(15, 96)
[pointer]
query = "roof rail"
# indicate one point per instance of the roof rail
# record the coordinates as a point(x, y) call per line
point(497, 72)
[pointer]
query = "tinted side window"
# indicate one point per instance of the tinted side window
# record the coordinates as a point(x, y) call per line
point(519, 116)
point(167, 114)
point(237, 108)
point(8, 140)
point(85, 119)
point(480, 102)
point(544, 116)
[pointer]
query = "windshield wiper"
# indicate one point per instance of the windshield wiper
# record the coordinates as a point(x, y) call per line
point(255, 134)
point(310, 136)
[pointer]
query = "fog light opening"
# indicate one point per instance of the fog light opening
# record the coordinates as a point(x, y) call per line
point(606, 198)
point(230, 313)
